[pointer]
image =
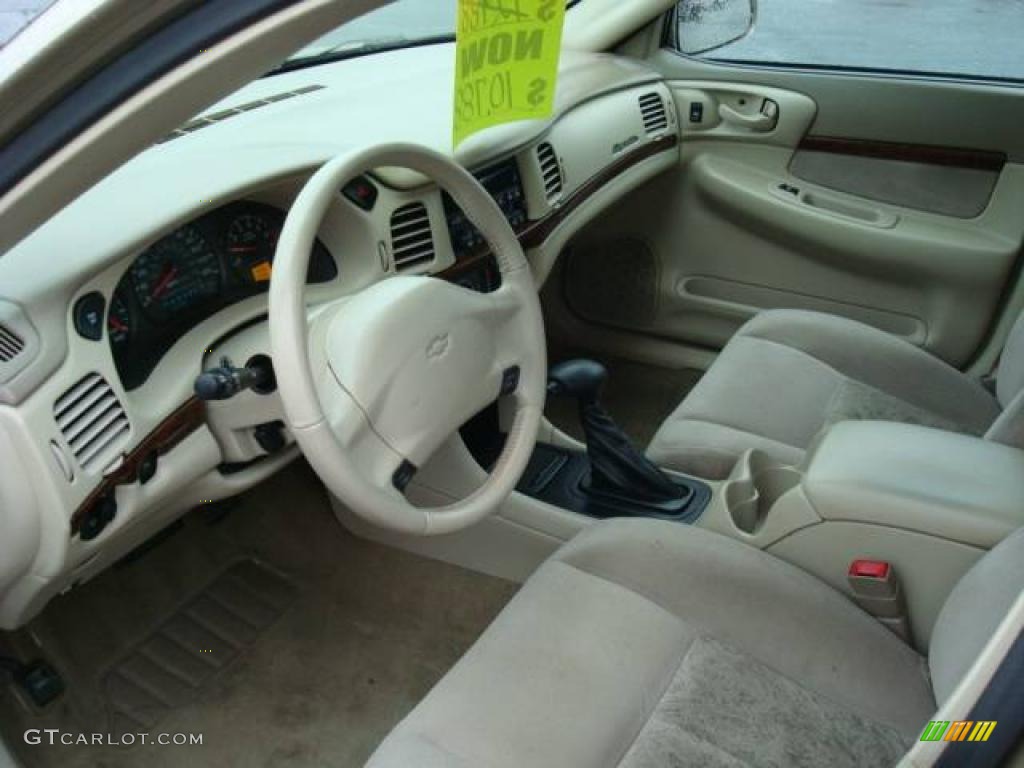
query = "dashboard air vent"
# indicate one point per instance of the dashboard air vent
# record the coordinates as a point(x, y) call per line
point(652, 108)
point(550, 170)
point(215, 117)
point(11, 344)
point(412, 239)
point(92, 420)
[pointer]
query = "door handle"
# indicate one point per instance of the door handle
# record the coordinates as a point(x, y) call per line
point(762, 121)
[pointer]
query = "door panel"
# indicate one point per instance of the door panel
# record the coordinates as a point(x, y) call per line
point(859, 220)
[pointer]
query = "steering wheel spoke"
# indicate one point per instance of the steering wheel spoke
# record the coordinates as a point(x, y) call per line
point(371, 454)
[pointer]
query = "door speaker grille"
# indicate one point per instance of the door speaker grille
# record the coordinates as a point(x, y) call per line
point(613, 283)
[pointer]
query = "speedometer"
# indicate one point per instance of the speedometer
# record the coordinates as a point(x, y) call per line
point(119, 322)
point(177, 275)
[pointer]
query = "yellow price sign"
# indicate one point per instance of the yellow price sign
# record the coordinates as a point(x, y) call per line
point(506, 62)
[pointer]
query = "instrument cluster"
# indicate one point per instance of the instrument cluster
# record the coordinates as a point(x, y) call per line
point(191, 274)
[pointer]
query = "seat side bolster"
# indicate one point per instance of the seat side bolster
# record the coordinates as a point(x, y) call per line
point(973, 611)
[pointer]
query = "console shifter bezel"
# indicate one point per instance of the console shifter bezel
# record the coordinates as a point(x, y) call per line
point(565, 487)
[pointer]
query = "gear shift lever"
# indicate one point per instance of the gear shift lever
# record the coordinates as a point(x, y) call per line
point(617, 467)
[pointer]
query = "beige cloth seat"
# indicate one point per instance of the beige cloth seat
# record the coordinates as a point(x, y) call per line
point(787, 374)
point(645, 643)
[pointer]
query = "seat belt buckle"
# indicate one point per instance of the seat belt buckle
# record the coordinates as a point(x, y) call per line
point(876, 589)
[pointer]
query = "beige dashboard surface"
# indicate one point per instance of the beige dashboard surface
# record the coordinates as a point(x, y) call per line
point(302, 119)
point(360, 102)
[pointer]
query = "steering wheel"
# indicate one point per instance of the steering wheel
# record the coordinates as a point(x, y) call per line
point(379, 380)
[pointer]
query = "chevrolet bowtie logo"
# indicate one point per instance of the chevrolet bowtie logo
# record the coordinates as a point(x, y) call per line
point(437, 347)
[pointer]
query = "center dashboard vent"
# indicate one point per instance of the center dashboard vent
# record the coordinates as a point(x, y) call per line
point(92, 420)
point(550, 170)
point(215, 117)
point(412, 238)
point(652, 109)
point(11, 344)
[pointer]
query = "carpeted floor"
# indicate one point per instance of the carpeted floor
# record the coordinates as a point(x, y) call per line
point(639, 397)
point(351, 636)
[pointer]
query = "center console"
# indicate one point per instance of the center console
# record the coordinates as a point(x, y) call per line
point(475, 267)
point(502, 181)
point(611, 477)
point(561, 477)
point(942, 484)
point(927, 501)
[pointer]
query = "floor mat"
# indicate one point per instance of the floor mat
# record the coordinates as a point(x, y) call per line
point(364, 634)
point(169, 668)
point(638, 396)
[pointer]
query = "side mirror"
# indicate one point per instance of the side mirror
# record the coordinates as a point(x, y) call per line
point(703, 25)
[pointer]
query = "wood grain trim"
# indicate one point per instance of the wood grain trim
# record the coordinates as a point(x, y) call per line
point(534, 233)
point(172, 430)
point(953, 157)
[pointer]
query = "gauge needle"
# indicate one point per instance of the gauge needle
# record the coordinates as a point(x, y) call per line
point(117, 325)
point(165, 281)
point(242, 249)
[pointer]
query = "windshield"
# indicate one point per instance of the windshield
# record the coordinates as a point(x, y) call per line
point(15, 15)
point(405, 21)
point(402, 23)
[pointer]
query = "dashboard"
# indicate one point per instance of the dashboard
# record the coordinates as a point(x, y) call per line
point(191, 274)
point(98, 416)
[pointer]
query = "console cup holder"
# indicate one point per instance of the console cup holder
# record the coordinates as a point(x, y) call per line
point(753, 488)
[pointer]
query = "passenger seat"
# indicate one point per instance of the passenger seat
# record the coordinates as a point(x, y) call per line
point(788, 374)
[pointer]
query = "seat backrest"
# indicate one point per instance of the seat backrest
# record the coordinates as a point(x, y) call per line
point(973, 611)
point(1009, 427)
point(1010, 373)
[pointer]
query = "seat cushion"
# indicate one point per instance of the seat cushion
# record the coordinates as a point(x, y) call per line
point(645, 643)
point(787, 374)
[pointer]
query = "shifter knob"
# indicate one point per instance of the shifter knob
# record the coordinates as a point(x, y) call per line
point(617, 467)
point(582, 379)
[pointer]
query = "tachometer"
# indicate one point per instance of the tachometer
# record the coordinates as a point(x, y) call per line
point(251, 242)
point(177, 275)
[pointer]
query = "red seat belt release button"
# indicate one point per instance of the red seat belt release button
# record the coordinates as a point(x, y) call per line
point(870, 569)
point(876, 588)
